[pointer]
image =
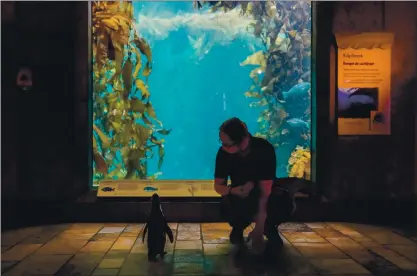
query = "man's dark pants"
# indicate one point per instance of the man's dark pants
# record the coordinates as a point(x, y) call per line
point(240, 213)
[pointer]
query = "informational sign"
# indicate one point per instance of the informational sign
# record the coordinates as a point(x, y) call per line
point(364, 83)
point(24, 78)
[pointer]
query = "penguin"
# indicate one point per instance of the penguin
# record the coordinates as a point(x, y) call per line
point(158, 228)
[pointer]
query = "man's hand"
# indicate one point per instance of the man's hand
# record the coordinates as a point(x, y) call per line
point(242, 191)
point(257, 237)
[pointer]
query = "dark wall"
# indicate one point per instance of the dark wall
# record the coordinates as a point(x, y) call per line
point(40, 157)
point(383, 167)
point(45, 133)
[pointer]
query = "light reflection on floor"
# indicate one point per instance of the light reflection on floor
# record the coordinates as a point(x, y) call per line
point(203, 249)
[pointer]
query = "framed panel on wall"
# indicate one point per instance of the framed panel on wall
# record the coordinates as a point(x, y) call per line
point(165, 75)
point(364, 83)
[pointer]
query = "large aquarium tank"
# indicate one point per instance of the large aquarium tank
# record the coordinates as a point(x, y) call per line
point(165, 75)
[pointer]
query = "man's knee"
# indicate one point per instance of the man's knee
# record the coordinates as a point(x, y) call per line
point(236, 211)
point(280, 208)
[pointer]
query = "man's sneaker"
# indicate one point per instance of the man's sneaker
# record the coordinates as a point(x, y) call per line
point(274, 239)
point(236, 236)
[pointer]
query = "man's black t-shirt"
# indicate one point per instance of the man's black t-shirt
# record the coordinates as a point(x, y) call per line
point(259, 163)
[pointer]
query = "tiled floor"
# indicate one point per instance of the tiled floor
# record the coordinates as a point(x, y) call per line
point(203, 249)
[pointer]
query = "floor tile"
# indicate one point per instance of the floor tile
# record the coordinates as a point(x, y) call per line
point(297, 266)
point(216, 227)
point(116, 254)
point(105, 272)
point(394, 258)
point(41, 237)
point(11, 238)
point(111, 263)
point(7, 265)
point(105, 237)
point(192, 227)
point(196, 245)
point(317, 225)
point(220, 265)
point(82, 269)
point(351, 233)
point(328, 233)
point(216, 237)
point(87, 231)
point(97, 246)
point(173, 225)
point(132, 230)
point(344, 242)
point(405, 250)
point(19, 252)
point(189, 235)
point(124, 243)
point(114, 224)
point(294, 227)
point(139, 248)
point(188, 256)
point(84, 226)
point(61, 246)
point(5, 248)
point(364, 256)
point(320, 250)
point(216, 249)
point(303, 237)
point(87, 257)
point(388, 237)
point(143, 267)
point(40, 265)
point(338, 266)
point(75, 235)
point(188, 268)
point(111, 230)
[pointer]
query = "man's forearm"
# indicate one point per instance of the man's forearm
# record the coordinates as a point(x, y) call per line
point(261, 216)
point(221, 188)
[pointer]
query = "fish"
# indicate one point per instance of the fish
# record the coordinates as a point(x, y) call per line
point(158, 229)
point(298, 123)
point(108, 189)
point(150, 189)
point(297, 92)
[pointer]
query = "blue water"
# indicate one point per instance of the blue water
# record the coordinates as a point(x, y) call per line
point(194, 97)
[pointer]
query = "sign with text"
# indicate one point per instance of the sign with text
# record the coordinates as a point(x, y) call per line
point(364, 83)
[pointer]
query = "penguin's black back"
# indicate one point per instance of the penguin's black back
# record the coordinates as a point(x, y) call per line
point(156, 222)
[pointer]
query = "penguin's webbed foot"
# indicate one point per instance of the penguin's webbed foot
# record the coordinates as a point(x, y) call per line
point(163, 254)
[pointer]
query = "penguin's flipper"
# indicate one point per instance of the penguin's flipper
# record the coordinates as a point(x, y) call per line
point(169, 233)
point(144, 233)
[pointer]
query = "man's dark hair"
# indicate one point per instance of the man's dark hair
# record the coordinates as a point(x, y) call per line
point(235, 129)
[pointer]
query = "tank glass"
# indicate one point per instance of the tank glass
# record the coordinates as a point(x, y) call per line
point(165, 75)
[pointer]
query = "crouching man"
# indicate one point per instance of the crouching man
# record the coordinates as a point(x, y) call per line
point(250, 163)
